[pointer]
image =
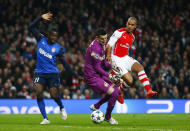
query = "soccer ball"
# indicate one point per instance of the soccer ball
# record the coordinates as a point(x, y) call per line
point(97, 116)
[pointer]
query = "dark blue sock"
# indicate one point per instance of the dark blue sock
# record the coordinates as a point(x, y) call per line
point(41, 106)
point(58, 101)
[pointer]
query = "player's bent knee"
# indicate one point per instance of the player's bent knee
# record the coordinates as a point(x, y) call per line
point(141, 67)
point(128, 79)
point(137, 67)
point(130, 82)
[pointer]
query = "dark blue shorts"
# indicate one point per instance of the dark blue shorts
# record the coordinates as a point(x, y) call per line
point(47, 79)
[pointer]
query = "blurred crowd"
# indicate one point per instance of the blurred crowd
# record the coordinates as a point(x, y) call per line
point(162, 43)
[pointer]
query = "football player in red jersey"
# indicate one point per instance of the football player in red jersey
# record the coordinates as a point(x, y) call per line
point(117, 53)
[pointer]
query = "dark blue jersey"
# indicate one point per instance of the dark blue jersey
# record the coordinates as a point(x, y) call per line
point(47, 53)
point(46, 56)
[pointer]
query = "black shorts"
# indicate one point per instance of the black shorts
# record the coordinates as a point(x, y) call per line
point(47, 79)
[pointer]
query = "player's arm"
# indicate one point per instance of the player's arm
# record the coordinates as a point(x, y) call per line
point(111, 43)
point(64, 62)
point(108, 52)
point(33, 25)
point(97, 66)
point(106, 64)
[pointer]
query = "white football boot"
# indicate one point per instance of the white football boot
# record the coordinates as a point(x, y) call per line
point(45, 122)
point(112, 121)
point(92, 107)
point(63, 113)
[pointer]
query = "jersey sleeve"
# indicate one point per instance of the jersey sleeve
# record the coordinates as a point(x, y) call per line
point(97, 63)
point(113, 39)
point(33, 29)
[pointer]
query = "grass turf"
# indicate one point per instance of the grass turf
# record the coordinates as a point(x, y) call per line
point(82, 122)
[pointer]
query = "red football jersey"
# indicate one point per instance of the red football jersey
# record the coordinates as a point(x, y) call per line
point(120, 42)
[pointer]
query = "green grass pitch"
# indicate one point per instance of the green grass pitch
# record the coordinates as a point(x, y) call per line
point(82, 122)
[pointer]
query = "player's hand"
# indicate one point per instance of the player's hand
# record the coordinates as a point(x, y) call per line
point(116, 79)
point(47, 16)
point(117, 70)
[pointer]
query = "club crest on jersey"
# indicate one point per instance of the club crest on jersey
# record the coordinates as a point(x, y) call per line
point(95, 55)
point(53, 50)
point(92, 54)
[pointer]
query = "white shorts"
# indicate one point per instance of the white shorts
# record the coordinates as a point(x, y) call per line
point(125, 63)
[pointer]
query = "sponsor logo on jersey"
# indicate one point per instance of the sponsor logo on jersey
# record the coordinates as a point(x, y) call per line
point(41, 51)
point(124, 45)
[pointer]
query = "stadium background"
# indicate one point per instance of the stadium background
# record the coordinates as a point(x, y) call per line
point(162, 43)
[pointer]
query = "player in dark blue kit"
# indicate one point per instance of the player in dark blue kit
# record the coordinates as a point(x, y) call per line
point(46, 72)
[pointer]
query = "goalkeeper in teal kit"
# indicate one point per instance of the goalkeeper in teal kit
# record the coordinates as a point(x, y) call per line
point(46, 72)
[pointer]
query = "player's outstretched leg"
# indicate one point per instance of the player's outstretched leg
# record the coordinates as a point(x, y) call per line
point(111, 104)
point(99, 103)
point(143, 79)
point(54, 94)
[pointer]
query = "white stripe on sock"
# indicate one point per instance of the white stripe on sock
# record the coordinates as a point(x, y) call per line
point(141, 72)
point(146, 83)
point(142, 77)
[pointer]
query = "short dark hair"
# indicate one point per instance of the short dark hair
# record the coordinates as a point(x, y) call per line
point(100, 31)
point(53, 30)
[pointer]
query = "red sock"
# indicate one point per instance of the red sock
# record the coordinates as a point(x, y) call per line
point(144, 80)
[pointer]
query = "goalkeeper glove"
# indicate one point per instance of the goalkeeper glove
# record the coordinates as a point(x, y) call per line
point(116, 79)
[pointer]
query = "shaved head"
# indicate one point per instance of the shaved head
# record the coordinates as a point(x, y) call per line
point(133, 18)
point(131, 24)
